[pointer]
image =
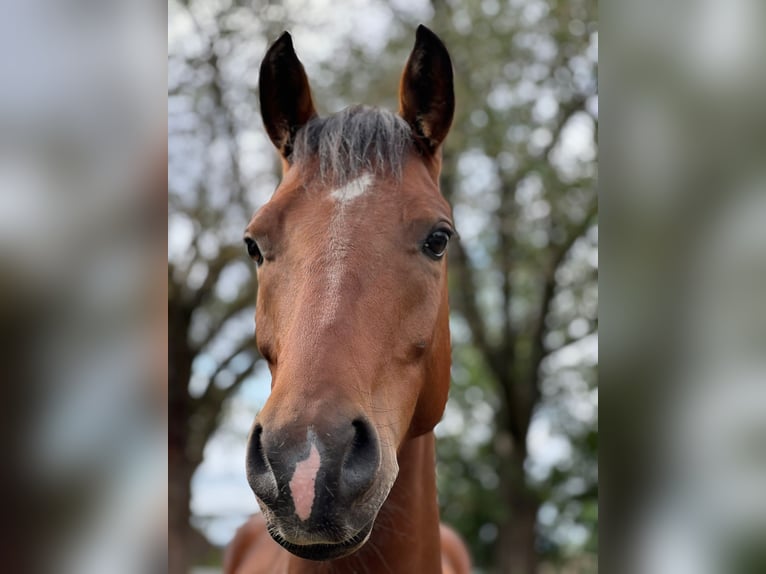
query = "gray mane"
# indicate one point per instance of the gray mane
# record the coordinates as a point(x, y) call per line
point(356, 140)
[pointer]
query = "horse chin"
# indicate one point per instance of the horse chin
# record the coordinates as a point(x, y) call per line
point(325, 551)
point(340, 531)
point(317, 545)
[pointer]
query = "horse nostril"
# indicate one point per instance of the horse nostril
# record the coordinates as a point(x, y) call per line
point(255, 454)
point(361, 462)
point(259, 473)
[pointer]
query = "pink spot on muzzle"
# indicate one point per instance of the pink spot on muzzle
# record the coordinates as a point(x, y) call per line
point(302, 485)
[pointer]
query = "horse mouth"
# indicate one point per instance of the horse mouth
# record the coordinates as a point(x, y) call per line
point(325, 551)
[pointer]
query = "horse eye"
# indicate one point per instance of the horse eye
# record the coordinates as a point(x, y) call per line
point(253, 251)
point(436, 244)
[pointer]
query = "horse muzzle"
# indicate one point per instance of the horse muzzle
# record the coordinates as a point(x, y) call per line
point(319, 489)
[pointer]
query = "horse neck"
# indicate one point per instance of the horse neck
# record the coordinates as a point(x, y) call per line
point(408, 523)
point(405, 537)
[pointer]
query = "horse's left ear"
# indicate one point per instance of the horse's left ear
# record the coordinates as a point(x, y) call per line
point(285, 95)
point(426, 94)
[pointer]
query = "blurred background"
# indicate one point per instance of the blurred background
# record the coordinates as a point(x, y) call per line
point(683, 333)
point(517, 448)
point(82, 287)
point(83, 329)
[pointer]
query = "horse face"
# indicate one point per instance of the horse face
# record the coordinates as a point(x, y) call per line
point(352, 313)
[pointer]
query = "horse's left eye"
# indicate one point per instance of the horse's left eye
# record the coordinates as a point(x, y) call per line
point(436, 244)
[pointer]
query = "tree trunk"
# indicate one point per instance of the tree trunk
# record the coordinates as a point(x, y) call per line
point(516, 541)
point(180, 358)
point(179, 513)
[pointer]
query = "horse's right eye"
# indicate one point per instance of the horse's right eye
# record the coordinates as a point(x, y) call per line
point(253, 251)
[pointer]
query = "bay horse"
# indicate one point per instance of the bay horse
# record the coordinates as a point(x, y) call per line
point(352, 317)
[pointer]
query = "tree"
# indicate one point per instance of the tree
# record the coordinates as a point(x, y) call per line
point(536, 81)
point(211, 285)
point(519, 169)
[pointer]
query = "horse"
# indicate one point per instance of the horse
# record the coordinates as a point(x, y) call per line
point(352, 317)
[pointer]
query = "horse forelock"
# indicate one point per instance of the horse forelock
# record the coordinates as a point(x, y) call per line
point(357, 140)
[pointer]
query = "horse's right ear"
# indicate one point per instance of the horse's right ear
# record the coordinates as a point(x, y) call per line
point(285, 95)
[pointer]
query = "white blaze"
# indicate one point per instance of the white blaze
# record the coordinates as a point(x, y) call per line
point(340, 243)
point(303, 483)
point(352, 189)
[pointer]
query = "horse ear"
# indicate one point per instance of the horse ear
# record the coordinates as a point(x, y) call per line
point(426, 94)
point(285, 95)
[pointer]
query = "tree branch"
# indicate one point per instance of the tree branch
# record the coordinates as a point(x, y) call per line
point(566, 112)
point(226, 255)
point(549, 290)
point(244, 299)
point(208, 415)
point(212, 391)
point(505, 257)
point(465, 297)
